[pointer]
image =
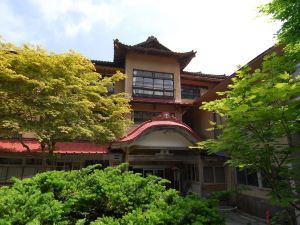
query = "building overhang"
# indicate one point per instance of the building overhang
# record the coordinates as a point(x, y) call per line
point(150, 47)
point(161, 132)
point(76, 147)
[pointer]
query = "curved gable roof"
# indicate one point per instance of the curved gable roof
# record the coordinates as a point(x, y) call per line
point(164, 120)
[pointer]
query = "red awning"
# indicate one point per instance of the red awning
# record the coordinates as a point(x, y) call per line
point(164, 120)
point(14, 146)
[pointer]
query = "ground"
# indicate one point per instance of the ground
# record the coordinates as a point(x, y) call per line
point(236, 217)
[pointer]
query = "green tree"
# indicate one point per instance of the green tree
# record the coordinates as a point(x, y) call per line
point(288, 13)
point(261, 116)
point(57, 97)
point(95, 196)
point(262, 112)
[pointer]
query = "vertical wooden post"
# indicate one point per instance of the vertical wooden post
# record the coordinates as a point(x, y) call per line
point(127, 157)
point(268, 217)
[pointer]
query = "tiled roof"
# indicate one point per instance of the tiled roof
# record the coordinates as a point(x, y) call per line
point(14, 146)
point(152, 47)
point(160, 121)
point(105, 63)
point(152, 42)
point(206, 75)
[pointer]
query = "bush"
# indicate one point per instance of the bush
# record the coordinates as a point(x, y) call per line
point(94, 196)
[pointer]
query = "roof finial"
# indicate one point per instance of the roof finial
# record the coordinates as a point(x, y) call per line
point(151, 38)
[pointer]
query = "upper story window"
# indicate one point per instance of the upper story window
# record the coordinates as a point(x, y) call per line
point(190, 92)
point(152, 84)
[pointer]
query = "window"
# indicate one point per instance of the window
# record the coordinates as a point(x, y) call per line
point(152, 84)
point(33, 161)
point(192, 172)
point(214, 174)
point(3, 173)
point(10, 161)
point(219, 175)
point(63, 165)
point(150, 172)
point(31, 171)
point(14, 172)
point(192, 92)
point(208, 174)
point(246, 177)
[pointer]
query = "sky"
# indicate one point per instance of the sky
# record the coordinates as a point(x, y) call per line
point(225, 34)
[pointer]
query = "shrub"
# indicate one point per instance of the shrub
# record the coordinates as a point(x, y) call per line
point(94, 196)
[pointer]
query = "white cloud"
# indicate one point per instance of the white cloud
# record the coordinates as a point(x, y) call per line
point(12, 27)
point(224, 33)
point(77, 16)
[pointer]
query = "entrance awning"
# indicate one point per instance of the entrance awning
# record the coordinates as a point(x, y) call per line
point(163, 128)
point(76, 147)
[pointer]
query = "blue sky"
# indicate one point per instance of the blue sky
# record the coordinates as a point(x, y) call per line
point(224, 33)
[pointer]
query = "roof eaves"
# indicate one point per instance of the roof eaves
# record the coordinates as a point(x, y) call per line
point(200, 74)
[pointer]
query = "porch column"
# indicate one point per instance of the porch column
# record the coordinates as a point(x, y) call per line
point(200, 166)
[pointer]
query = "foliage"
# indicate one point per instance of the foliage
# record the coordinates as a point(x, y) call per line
point(57, 97)
point(288, 13)
point(95, 196)
point(262, 114)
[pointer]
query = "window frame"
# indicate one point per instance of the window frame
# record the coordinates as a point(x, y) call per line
point(246, 174)
point(214, 175)
point(194, 88)
point(155, 75)
point(192, 172)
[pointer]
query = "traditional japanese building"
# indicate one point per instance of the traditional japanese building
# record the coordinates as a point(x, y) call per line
point(163, 99)
point(162, 96)
point(167, 121)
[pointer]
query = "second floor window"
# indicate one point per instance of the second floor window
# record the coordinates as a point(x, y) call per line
point(152, 84)
point(188, 92)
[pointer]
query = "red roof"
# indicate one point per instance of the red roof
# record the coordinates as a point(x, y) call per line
point(11, 145)
point(164, 120)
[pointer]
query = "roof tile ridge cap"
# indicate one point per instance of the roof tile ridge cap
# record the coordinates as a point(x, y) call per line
point(160, 50)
